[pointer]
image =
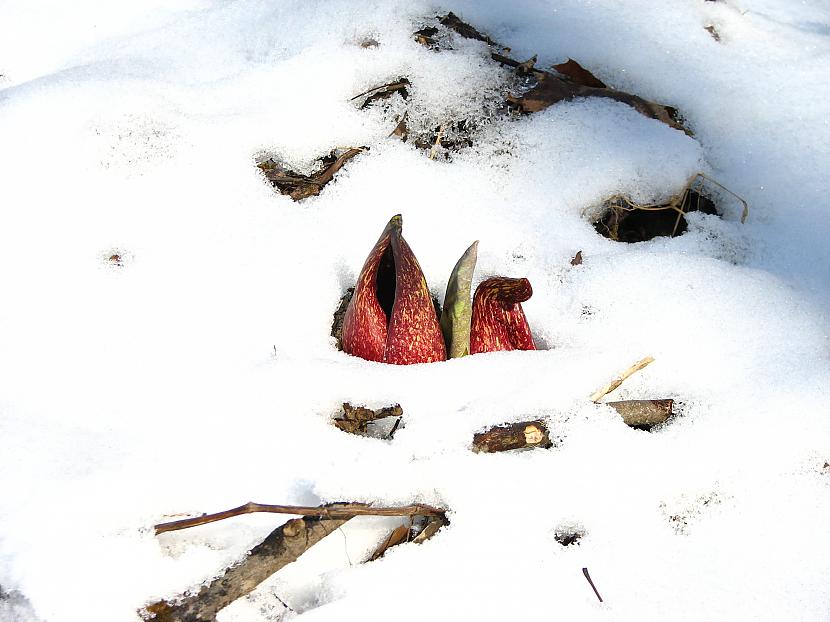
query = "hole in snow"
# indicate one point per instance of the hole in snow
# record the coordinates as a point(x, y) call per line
point(116, 258)
point(622, 220)
point(568, 534)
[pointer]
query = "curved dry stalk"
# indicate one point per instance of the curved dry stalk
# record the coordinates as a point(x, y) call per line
point(600, 393)
point(745, 212)
point(329, 511)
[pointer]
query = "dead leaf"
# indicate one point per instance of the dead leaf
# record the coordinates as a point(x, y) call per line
point(355, 419)
point(299, 186)
point(398, 536)
point(577, 260)
point(451, 20)
point(579, 75)
point(551, 89)
point(426, 37)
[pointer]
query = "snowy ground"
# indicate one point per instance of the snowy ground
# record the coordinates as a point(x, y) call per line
point(201, 374)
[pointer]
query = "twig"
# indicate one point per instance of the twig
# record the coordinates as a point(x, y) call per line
point(587, 576)
point(329, 511)
point(434, 151)
point(394, 429)
point(599, 394)
point(283, 603)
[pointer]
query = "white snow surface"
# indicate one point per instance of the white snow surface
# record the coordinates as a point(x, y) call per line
point(201, 374)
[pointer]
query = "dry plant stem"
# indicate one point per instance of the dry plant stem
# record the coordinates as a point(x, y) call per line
point(434, 151)
point(745, 212)
point(330, 511)
point(326, 176)
point(598, 395)
point(282, 546)
point(643, 413)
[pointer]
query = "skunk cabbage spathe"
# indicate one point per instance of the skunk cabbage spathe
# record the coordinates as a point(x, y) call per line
point(391, 317)
point(498, 321)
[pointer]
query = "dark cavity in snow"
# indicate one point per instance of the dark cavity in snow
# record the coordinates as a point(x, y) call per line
point(625, 221)
point(566, 535)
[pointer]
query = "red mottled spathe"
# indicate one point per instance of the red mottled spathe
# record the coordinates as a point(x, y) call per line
point(498, 322)
point(412, 333)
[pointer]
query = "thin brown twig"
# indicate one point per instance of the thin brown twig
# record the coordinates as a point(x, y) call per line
point(332, 511)
point(434, 151)
point(600, 393)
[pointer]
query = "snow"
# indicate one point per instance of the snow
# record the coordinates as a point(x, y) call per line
point(200, 373)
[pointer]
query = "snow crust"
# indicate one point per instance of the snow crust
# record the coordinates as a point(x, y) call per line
point(200, 373)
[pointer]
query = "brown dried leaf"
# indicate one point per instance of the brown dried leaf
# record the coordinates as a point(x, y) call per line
point(299, 186)
point(551, 89)
point(579, 75)
point(354, 419)
point(398, 536)
point(426, 37)
point(451, 20)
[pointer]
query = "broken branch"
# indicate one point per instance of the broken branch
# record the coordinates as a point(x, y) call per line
point(512, 436)
point(282, 546)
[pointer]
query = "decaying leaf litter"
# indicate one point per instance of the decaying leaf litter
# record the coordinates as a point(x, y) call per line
point(527, 90)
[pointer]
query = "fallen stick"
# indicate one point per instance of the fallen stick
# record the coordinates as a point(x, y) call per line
point(643, 413)
point(600, 393)
point(329, 511)
point(512, 436)
point(282, 546)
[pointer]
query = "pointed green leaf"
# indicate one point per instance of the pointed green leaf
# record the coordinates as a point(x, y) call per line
point(457, 313)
